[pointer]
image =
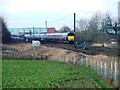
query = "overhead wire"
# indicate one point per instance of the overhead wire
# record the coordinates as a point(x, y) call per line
point(67, 16)
point(61, 19)
point(78, 13)
point(96, 11)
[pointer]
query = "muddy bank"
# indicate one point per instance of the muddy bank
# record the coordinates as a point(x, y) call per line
point(29, 52)
point(25, 51)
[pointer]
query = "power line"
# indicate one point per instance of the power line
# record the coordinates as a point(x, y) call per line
point(71, 15)
point(61, 19)
point(97, 11)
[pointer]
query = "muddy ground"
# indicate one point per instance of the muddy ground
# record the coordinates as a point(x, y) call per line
point(25, 51)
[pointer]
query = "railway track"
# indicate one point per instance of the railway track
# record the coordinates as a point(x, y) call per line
point(90, 50)
point(70, 47)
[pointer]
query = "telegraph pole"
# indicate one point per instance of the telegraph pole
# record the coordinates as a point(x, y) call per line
point(33, 31)
point(46, 23)
point(30, 36)
point(74, 22)
point(74, 30)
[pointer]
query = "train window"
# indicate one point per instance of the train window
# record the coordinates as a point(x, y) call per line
point(70, 34)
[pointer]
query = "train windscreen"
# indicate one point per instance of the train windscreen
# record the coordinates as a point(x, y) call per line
point(70, 34)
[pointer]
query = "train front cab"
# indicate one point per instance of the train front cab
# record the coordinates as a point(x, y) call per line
point(71, 38)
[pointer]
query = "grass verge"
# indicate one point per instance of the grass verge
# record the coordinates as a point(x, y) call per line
point(49, 74)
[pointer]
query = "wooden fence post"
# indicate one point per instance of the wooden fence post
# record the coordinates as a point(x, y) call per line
point(111, 68)
point(86, 62)
point(81, 61)
point(101, 67)
point(115, 74)
point(118, 73)
point(66, 59)
point(97, 67)
point(74, 61)
point(105, 69)
point(92, 64)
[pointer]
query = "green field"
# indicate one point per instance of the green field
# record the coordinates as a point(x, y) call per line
point(46, 74)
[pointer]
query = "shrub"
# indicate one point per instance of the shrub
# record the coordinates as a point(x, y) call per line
point(4, 33)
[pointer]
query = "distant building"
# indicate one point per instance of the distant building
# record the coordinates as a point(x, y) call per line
point(27, 30)
point(51, 30)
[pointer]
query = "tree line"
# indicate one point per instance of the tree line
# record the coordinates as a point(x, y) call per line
point(4, 33)
point(99, 28)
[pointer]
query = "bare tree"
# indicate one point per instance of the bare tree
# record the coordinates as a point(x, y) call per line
point(82, 25)
point(88, 28)
point(65, 29)
point(94, 25)
point(94, 30)
point(110, 23)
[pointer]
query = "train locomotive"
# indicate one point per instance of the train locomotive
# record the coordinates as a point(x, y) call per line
point(52, 37)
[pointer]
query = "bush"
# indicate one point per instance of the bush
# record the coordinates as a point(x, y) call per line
point(4, 32)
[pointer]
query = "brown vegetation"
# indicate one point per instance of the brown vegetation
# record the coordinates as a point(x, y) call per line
point(27, 51)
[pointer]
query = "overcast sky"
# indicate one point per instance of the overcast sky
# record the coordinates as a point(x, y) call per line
point(29, 13)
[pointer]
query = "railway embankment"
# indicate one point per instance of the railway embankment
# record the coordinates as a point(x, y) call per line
point(44, 52)
point(25, 51)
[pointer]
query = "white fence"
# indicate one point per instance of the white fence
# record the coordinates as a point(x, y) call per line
point(107, 68)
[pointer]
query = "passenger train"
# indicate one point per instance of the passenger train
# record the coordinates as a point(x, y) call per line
point(52, 37)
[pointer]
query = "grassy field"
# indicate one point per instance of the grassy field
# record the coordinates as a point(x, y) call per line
point(49, 74)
